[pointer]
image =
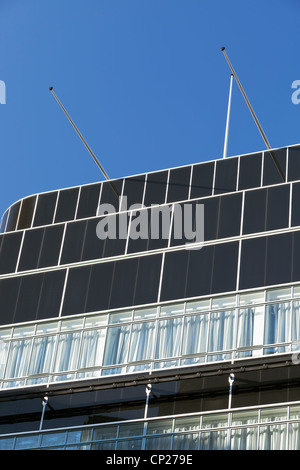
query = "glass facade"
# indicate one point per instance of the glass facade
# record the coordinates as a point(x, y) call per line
point(127, 343)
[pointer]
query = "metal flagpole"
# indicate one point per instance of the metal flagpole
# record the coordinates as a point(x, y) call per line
point(254, 116)
point(228, 118)
point(85, 143)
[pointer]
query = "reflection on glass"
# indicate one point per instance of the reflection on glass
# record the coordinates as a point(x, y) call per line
point(120, 317)
point(198, 306)
point(224, 302)
point(116, 347)
point(175, 309)
point(252, 298)
point(279, 294)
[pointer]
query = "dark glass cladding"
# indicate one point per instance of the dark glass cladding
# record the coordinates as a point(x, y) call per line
point(250, 171)
point(32, 297)
point(13, 217)
point(155, 191)
point(88, 201)
point(294, 163)
point(9, 251)
point(66, 206)
point(202, 180)
point(26, 212)
point(226, 175)
point(179, 184)
point(271, 175)
point(108, 193)
point(133, 190)
point(45, 208)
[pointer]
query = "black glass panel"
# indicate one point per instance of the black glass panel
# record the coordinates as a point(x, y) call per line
point(226, 175)
point(225, 267)
point(116, 246)
point(26, 212)
point(250, 171)
point(100, 287)
point(28, 299)
point(278, 207)
point(93, 247)
point(255, 211)
point(73, 242)
point(179, 184)
point(174, 275)
point(253, 263)
point(296, 257)
point(3, 221)
point(66, 206)
point(295, 218)
point(279, 259)
point(9, 251)
point(51, 294)
point(9, 291)
point(51, 246)
point(88, 201)
point(31, 249)
point(148, 277)
point(294, 163)
point(140, 231)
point(45, 209)
point(133, 190)
point(108, 195)
point(76, 290)
point(13, 217)
point(230, 215)
point(271, 174)
point(202, 180)
point(211, 218)
point(188, 223)
point(156, 184)
point(200, 272)
point(124, 280)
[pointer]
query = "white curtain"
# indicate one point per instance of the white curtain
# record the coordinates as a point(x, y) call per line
point(67, 352)
point(273, 437)
point(277, 324)
point(294, 436)
point(92, 348)
point(296, 321)
point(244, 438)
point(3, 357)
point(169, 338)
point(189, 441)
point(215, 440)
point(142, 340)
point(195, 334)
point(116, 347)
point(19, 353)
point(221, 330)
point(42, 354)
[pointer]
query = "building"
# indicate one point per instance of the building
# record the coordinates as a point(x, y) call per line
point(149, 343)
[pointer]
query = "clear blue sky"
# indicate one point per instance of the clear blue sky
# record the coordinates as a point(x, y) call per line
point(145, 82)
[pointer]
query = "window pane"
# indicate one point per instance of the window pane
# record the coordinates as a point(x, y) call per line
point(277, 324)
point(271, 174)
point(221, 330)
point(156, 188)
point(67, 352)
point(116, 346)
point(66, 207)
point(226, 175)
point(88, 201)
point(142, 339)
point(250, 326)
point(202, 180)
point(195, 334)
point(45, 209)
point(92, 348)
point(179, 183)
point(250, 171)
point(42, 355)
point(169, 338)
point(19, 354)
point(26, 212)
point(9, 251)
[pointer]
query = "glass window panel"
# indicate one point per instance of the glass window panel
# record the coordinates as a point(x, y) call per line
point(4, 347)
point(226, 175)
point(255, 211)
point(50, 327)
point(294, 163)
point(96, 320)
point(202, 180)
point(120, 317)
point(273, 414)
point(221, 330)
point(252, 298)
point(250, 171)
point(53, 439)
point(28, 298)
point(169, 338)
point(295, 219)
point(123, 283)
point(278, 207)
point(6, 333)
point(216, 440)
point(224, 267)
point(224, 302)
point(67, 352)
point(133, 190)
point(23, 331)
point(45, 209)
point(198, 306)
point(76, 290)
point(195, 334)
point(131, 429)
point(144, 314)
point(19, 353)
point(160, 427)
point(9, 252)
point(73, 324)
point(7, 443)
point(31, 249)
point(79, 436)
point(67, 202)
point(244, 438)
point(277, 323)
point(50, 248)
point(271, 174)
point(174, 275)
point(229, 224)
point(149, 267)
point(51, 294)
point(142, 340)
point(187, 424)
point(116, 346)
point(27, 442)
point(294, 436)
point(42, 355)
point(273, 437)
point(27, 209)
point(156, 188)
point(73, 242)
point(108, 195)
point(250, 326)
point(88, 201)
point(158, 443)
point(175, 309)
point(279, 294)
point(187, 441)
point(244, 417)
point(296, 291)
point(179, 183)
point(295, 412)
point(92, 348)
point(214, 421)
point(132, 444)
point(105, 432)
point(253, 263)
point(13, 216)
